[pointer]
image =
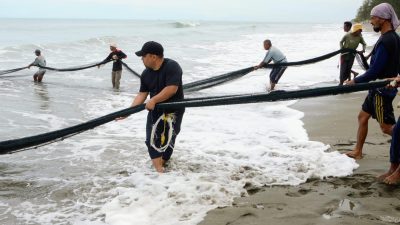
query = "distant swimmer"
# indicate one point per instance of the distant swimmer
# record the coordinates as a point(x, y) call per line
point(116, 55)
point(350, 40)
point(275, 55)
point(385, 63)
point(39, 61)
point(162, 79)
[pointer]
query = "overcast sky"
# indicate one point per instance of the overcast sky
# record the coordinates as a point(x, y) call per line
point(192, 10)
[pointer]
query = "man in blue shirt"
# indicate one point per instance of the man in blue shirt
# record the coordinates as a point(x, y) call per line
point(385, 63)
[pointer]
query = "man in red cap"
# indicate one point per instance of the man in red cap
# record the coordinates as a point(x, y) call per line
point(116, 55)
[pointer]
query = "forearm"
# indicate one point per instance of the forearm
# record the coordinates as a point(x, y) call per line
point(139, 99)
point(165, 94)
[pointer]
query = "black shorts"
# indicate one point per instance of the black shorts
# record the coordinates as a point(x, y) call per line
point(379, 107)
point(152, 117)
point(276, 74)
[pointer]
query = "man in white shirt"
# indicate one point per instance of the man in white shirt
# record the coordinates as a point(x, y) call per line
point(40, 61)
point(275, 55)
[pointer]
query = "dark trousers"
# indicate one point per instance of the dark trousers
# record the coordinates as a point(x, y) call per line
point(152, 118)
point(395, 144)
point(346, 63)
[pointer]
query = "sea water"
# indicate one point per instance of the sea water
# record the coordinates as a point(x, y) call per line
point(104, 175)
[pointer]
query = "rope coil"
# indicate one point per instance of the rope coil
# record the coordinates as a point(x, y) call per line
point(168, 119)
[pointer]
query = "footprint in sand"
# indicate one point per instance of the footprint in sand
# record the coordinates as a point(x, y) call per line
point(299, 193)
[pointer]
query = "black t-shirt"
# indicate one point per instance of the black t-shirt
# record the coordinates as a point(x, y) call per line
point(117, 65)
point(170, 73)
point(391, 42)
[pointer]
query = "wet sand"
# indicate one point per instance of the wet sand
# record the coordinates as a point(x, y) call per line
point(356, 199)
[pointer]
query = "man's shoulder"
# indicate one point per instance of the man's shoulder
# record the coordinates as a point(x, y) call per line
point(273, 50)
point(390, 36)
point(170, 63)
point(347, 35)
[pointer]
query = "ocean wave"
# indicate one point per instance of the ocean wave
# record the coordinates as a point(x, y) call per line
point(185, 24)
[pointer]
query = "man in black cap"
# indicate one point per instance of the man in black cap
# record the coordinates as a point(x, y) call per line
point(162, 79)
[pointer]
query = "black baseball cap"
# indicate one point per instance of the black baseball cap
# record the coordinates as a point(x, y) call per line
point(151, 47)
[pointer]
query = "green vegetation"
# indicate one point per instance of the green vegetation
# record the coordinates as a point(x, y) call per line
point(365, 10)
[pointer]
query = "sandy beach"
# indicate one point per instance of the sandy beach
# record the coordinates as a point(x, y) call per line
point(356, 199)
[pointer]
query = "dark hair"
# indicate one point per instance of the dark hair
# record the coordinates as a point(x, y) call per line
point(268, 41)
point(348, 23)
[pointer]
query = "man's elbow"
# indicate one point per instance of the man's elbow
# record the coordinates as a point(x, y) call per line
point(172, 89)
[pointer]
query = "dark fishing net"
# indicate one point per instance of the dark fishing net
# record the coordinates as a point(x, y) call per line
point(15, 145)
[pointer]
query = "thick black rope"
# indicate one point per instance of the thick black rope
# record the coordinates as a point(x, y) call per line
point(11, 146)
point(82, 67)
point(362, 61)
point(2, 72)
point(313, 60)
point(213, 81)
point(131, 70)
point(16, 144)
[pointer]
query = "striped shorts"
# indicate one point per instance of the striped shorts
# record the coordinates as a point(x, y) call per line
point(379, 107)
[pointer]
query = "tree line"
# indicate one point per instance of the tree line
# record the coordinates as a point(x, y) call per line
point(364, 12)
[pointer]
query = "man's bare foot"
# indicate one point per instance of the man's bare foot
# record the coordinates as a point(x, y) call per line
point(393, 179)
point(158, 164)
point(160, 169)
point(354, 154)
point(382, 177)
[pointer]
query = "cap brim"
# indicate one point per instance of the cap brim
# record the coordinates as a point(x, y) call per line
point(139, 53)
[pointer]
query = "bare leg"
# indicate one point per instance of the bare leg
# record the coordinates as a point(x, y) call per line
point(272, 86)
point(40, 77)
point(362, 132)
point(158, 164)
point(392, 169)
point(394, 178)
point(386, 128)
point(35, 77)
